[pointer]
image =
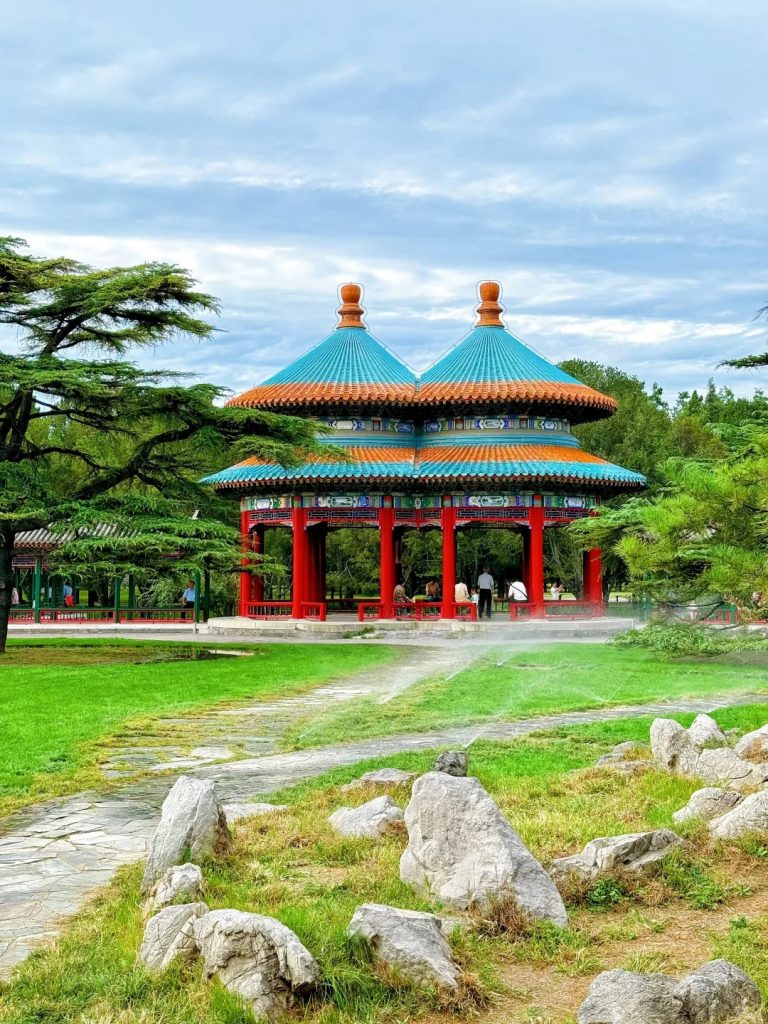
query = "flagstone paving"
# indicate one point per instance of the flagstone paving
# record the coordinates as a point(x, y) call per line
point(55, 855)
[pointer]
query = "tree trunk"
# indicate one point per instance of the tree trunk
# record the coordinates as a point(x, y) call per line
point(7, 541)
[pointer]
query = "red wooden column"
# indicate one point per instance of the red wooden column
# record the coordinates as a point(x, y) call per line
point(322, 539)
point(257, 581)
point(387, 567)
point(536, 561)
point(245, 577)
point(593, 578)
point(448, 525)
point(300, 552)
point(526, 560)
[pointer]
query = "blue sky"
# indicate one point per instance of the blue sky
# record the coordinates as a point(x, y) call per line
point(604, 159)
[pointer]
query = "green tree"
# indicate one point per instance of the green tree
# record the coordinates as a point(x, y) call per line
point(706, 533)
point(640, 434)
point(88, 438)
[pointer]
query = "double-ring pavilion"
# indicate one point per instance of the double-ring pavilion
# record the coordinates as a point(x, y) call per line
point(481, 438)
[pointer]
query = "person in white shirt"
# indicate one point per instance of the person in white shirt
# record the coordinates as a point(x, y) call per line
point(460, 593)
point(485, 586)
point(517, 591)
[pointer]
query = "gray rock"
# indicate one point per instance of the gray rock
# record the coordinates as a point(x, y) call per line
point(726, 767)
point(754, 745)
point(191, 821)
point(707, 803)
point(621, 997)
point(256, 958)
point(240, 811)
point(749, 815)
point(673, 749)
point(713, 994)
point(705, 732)
point(719, 991)
point(620, 753)
point(607, 761)
point(462, 850)
point(370, 819)
point(382, 777)
point(636, 853)
point(672, 746)
point(407, 940)
point(183, 881)
point(452, 762)
point(170, 934)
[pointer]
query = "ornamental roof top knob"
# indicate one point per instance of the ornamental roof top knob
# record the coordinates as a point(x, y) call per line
point(350, 311)
point(489, 311)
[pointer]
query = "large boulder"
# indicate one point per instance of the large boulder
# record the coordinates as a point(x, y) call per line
point(750, 815)
point(726, 767)
point(673, 749)
point(192, 823)
point(463, 851)
point(718, 991)
point(754, 745)
point(715, 993)
point(370, 819)
point(452, 762)
point(707, 803)
point(181, 883)
point(622, 997)
point(407, 940)
point(169, 934)
point(705, 732)
point(256, 958)
point(672, 746)
point(637, 852)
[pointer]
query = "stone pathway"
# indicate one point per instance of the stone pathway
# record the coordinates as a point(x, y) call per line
point(53, 856)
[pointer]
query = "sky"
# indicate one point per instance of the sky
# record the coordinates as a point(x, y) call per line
point(604, 159)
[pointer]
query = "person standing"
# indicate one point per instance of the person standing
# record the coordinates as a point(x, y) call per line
point(485, 587)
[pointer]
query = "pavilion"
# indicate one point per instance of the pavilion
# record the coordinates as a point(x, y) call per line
point(481, 438)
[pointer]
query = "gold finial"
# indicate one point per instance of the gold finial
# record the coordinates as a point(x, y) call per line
point(489, 311)
point(350, 311)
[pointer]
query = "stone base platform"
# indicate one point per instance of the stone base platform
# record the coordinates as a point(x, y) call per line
point(347, 626)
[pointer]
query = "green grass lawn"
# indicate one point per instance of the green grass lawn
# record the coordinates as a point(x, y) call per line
point(566, 677)
point(708, 901)
point(59, 698)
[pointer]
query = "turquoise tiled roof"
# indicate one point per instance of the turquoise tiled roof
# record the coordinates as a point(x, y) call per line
point(493, 354)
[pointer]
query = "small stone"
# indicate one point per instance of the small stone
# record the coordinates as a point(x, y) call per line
point(718, 991)
point(170, 934)
point(706, 804)
point(256, 958)
point(672, 747)
point(452, 762)
point(370, 819)
point(636, 852)
point(749, 815)
point(463, 851)
point(382, 777)
point(240, 811)
point(181, 881)
point(191, 821)
point(410, 941)
point(705, 732)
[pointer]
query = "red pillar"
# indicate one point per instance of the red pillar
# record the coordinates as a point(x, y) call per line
point(322, 538)
point(300, 544)
point(593, 577)
point(526, 560)
point(257, 581)
point(245, 577)
point(448, 524)
point(536, 561)
point(387, 567)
